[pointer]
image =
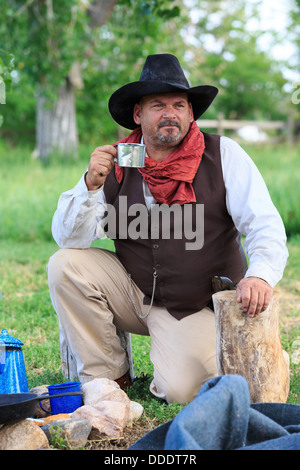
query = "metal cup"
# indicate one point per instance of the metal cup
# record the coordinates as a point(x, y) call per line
point(64, 404)
point(131, 155)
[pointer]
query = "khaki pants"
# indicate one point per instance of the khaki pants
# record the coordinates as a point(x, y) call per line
point(90, 292)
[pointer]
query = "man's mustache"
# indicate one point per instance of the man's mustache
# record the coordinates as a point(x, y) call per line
point(169, 122)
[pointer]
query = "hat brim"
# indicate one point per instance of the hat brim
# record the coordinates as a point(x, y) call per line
point(122, 101)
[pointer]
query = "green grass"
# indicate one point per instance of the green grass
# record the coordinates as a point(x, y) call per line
point(26, 311)
point(29, 190)
point(280, 168)
point(28, 197)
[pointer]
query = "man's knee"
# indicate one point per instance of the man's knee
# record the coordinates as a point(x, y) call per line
point(185, 390)
point(182, 384)
point(89, 266)
point(57, 265)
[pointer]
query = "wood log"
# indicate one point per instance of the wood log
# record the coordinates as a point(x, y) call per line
point(251, 347)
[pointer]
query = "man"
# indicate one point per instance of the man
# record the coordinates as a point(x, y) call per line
point(161, 285)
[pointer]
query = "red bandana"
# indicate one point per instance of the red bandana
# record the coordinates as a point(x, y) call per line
point(170, 181)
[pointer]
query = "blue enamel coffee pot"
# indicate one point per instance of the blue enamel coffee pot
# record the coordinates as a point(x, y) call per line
point(13, 377)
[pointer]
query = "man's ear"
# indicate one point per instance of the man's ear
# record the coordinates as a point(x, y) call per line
point(137, 113)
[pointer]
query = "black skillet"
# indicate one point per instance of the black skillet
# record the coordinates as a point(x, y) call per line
point(17, 406)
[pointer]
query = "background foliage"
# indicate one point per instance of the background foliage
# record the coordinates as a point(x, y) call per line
point(211, 39)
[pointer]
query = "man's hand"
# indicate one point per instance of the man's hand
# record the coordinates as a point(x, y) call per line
point(254, 294)
point(100, 165)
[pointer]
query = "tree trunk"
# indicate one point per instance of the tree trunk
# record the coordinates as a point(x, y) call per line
point(100, 11)
point(56, 126)
point(251, 347)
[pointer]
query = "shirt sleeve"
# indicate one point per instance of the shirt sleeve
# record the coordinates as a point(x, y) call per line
point(77, 221)
point(254, 214)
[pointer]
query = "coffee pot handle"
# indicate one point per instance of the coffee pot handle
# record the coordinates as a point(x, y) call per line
point(2, 356)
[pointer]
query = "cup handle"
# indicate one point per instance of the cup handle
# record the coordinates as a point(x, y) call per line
point(115, 159)
point(40, 403)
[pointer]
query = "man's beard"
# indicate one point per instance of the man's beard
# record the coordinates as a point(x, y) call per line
point(169, 137)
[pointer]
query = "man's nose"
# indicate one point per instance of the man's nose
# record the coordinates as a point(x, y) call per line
point(169, 111)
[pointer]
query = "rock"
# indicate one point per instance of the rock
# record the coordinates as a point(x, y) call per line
point(295, 356)
point(40, 390)
point(136, 410)
point(101, 390)
point(22, 435)
point(51, 418)
point(119, 412)
point(108, 419)
point(74, 431)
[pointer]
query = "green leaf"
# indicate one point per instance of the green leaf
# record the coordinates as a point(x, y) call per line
point(172, 13)
point(6, 59)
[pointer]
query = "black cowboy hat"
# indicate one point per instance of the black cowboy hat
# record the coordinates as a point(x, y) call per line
point(162, 73)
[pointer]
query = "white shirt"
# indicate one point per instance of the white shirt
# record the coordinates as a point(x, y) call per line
point(77, 221)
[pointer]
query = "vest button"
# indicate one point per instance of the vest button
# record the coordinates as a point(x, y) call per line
point(155, 246)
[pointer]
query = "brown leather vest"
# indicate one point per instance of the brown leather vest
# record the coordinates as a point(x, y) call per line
point(184, 276)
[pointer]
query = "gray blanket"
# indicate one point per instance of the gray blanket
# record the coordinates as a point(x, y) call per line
point(221, 417)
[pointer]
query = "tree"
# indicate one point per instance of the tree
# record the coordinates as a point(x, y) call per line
point(295, 31)
point(118, 57)
point(227, 54)
point(6, 66)
point(53, 39)
point(61, 46)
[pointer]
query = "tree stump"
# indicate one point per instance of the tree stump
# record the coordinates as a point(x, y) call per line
point(251, 347)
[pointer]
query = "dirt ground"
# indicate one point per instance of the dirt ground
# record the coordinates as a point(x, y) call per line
point(131, 435)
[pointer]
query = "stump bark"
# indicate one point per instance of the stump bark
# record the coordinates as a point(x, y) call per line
point(251, 347)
